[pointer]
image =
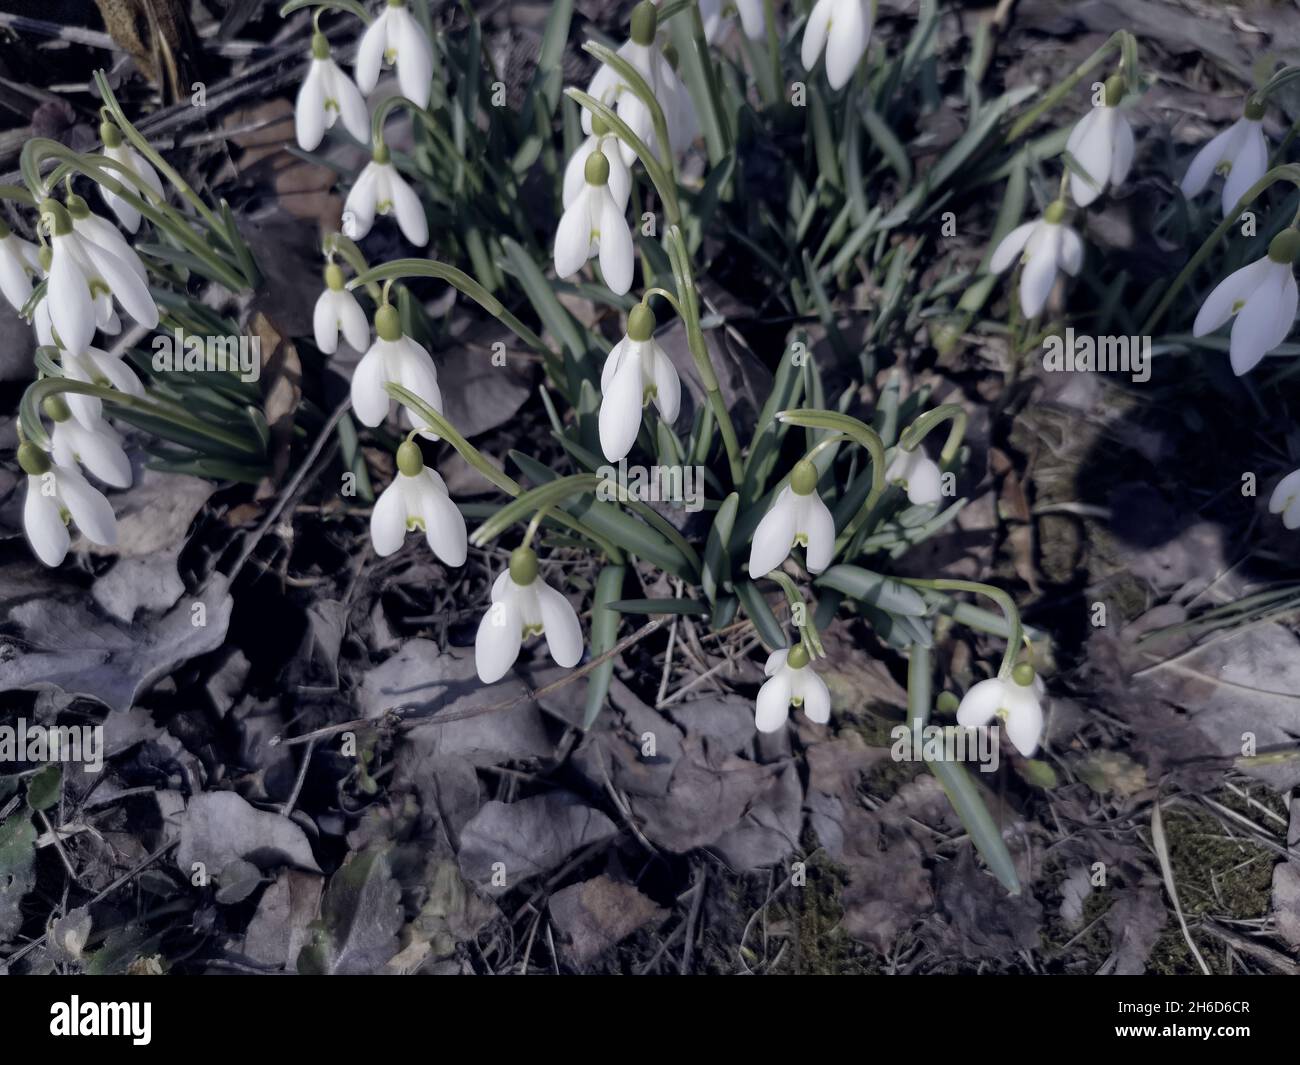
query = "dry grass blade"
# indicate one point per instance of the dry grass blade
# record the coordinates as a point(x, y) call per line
point(1161, 846)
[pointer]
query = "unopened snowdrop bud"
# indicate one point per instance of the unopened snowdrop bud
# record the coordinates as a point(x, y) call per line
point(83, 276)
point(394, 358)
point(1016, 701)
point(55, 495)
point(595, 224)
point(19, 262)
point(418, 499)
point(796, 516)
point(395, 38)
point(523, 606)
point(380, 189)
point(1044, 247)
point(575, 172)
point(1286, 500)
point(1240, 153)
point(791, 680)
point(636, 371)
point(1262, 296)
point(917, 474)
point(1102, 144)
point(337, 309)
point(98, 447)
point(120, 152)
point(328, 94)
point(843, 29)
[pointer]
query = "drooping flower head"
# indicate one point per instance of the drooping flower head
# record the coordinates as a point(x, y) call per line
point(97, 447)
point(1102, 144)
point(1240, 153)
point(1045, 247)
point(328, 94)
point(396, 38)
point(523, 606)
point(418, 499)
point(637, 371)
point(1263, 298)
point(124, 154)
point(394, 358)
point(380, 189)
point(57, 494)
point(337, 309)
point(791, 680)
point(843, 29)
point(1016, 701)
point(917, 474)
point(594, 224)
point(1285, 500)
point(797, 516)
point(19, 262)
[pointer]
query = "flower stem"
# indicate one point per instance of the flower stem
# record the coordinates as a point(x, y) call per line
point(1000, 597)
point(912, 436)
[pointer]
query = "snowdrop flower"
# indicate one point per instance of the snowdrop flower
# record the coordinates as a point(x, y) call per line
point(1240, 152)
point(796, 516)
point(593, 224)
point(1102, 144)
point(97, 367)
point(83, 277)
point(19, 261)
point(1048, 245)
point(328, 94)
point(396, 358)
point(337, 309)
point(137, 164)
point(790, 680)
point(1016, 701)
point(418, 499)
point(636, 371)
point(1286, 500)
point(918, 474)
point(752, 20)
point(395, 37)
point(620, 177)
point(99, 231)
point(55, 494)
point(524, 605)
point(96, 447)
point(380, 189)
point(674, 100)
point(843, 29)
point(1263, 297)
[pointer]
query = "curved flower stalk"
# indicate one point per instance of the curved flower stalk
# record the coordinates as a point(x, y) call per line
point(397, 359)
point(797, 516)
point(594, 224)
point(1263, 298)
point(791, 681)
point(1015, 700)
point(842, 28)
point(126, 156)
point(636, 371)
point(379, 190)
point(1285, 500)
point(609, 87)
point(337, 310)
point(523, 606)
point(1240, 153)
point(97, 447)
point(19, 263)
point(1102, 144)
point(84, 279)
point(1044, 247)
point(396, 38)
point(328, 94)
point(917, 474)
point(575, 171)
point(418, 499)
point(96, 367)
point(57, 494)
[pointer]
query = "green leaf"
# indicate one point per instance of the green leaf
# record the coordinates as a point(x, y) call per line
point(604, 634)
point(875, 589)
point(717, 558)
point(659, 606)
point(768, 628)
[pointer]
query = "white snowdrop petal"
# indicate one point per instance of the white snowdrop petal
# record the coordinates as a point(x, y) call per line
point(369, 400)
point(370, 52)
point(128, 289)
point(1039, 275)
point(1286, 492)
point(819, 527)
point(309, 108)
point(850, 33)
point(774, 536)
point(499, 637)
point(617, 256)
point(816, 696)
point(1123, 146)
point(620, 407)
point(668, 385)
point(92, 513)
point(1221, 303)
point(325, 323)
point(352, 105)
point(414, 57)
point(1204, 163)
point(978, 705)
point(72, 312)
point(409, 211)
point(388, 519)
point(1024, 725)
point(573, 236)
point(772, 707)
point(352, 319)
point(560, 625)
point(43, 524)
point(443, 523)
point(815, 33)
point(1248, 166)
point(1010, 247)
